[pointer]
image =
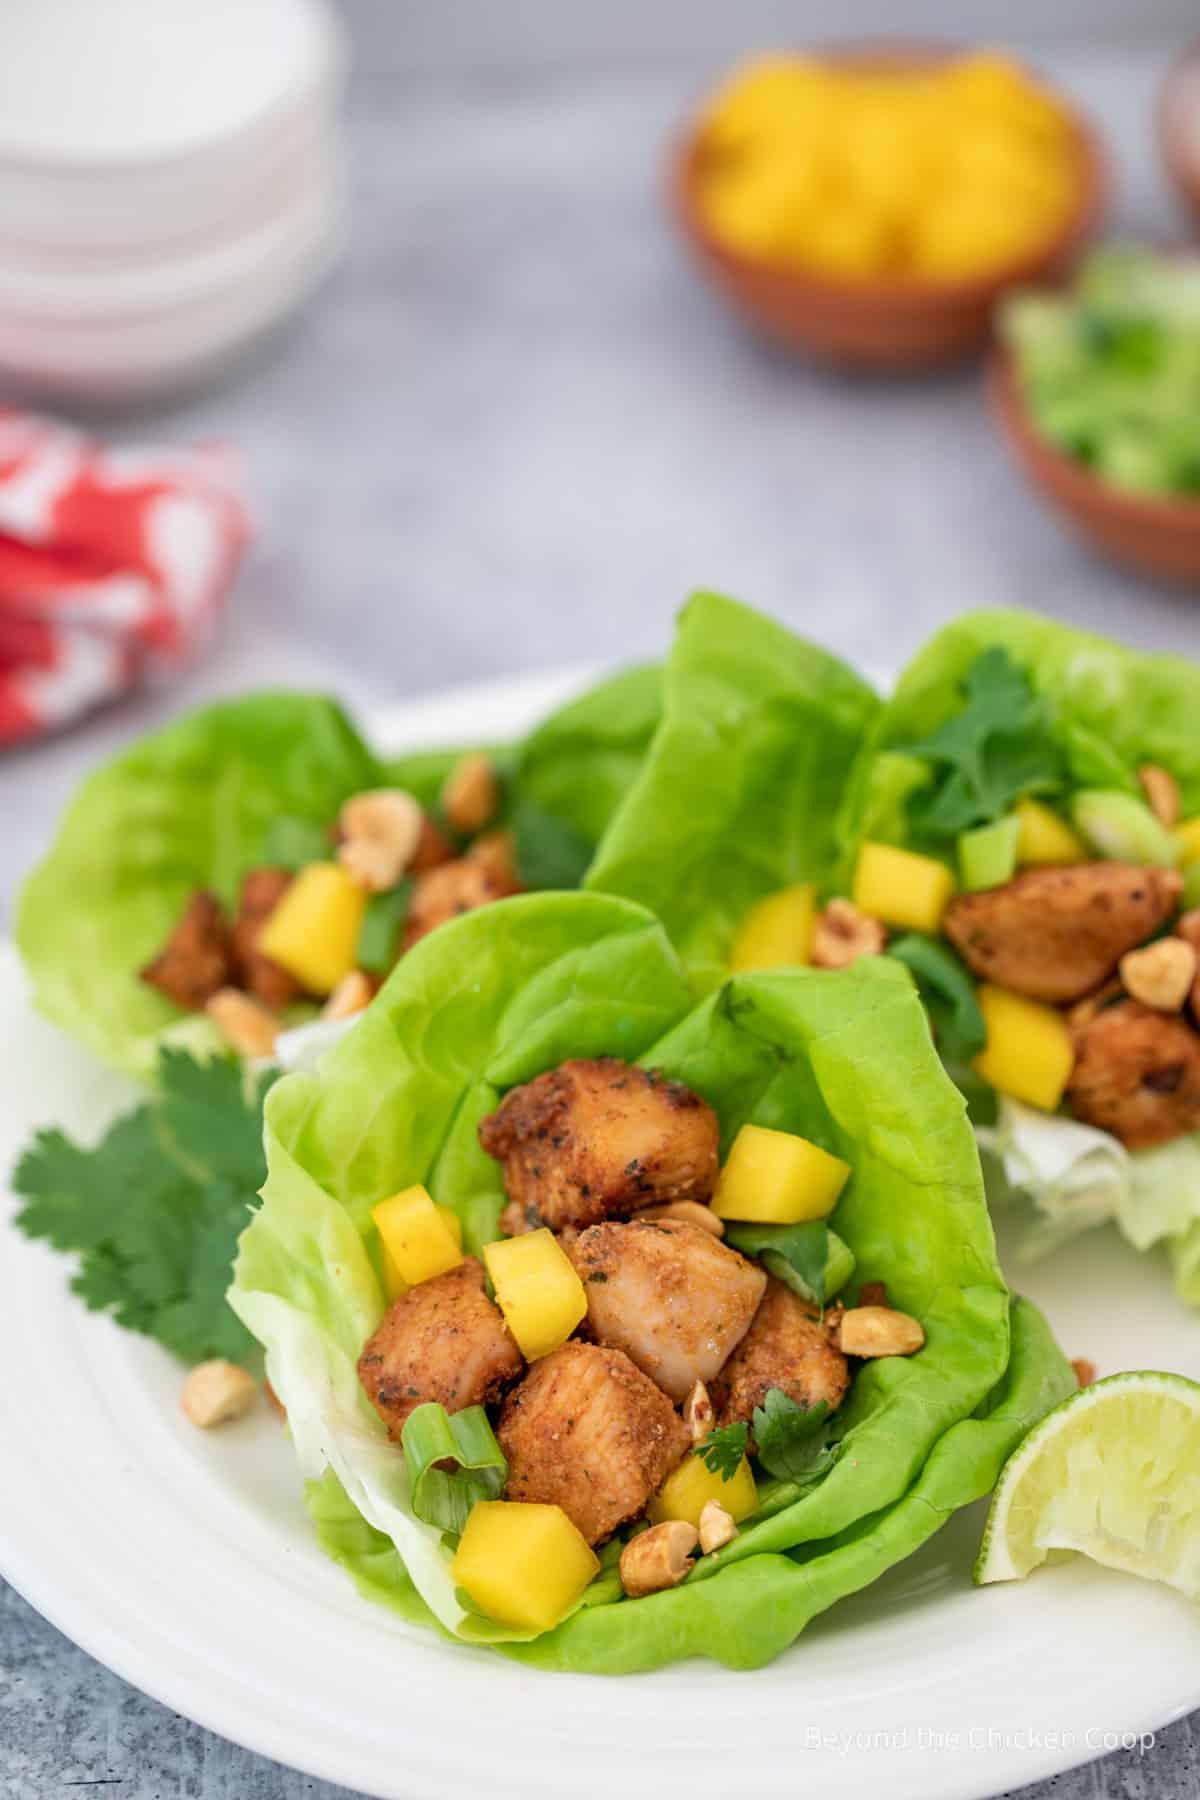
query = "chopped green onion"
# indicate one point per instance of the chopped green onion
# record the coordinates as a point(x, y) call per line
point(444, 1497)
point(1122, 828)
point(376, 948)
point(987, 856)
point(292, 843)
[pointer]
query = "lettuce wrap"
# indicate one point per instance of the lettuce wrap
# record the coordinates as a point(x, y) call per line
point(843, 1058)
point(185, 808)
point(1105, 710)
point(192, 806)
point(738, 792)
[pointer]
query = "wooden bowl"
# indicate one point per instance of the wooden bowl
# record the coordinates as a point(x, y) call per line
point(1156, 537)
point(1180, 147)
point(883, 323)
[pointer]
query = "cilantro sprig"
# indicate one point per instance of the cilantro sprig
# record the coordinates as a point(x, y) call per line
point(998, 749)
point(155, 1209)
point(723, 1449)
point(791, 1441)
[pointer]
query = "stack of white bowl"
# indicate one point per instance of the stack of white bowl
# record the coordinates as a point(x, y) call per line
point(169, 184)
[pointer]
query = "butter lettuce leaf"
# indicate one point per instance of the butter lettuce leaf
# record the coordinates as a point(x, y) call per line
point(738, 791)
point(187, 807)
point(491, 1000)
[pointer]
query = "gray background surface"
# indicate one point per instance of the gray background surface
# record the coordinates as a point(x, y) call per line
point(511, 433)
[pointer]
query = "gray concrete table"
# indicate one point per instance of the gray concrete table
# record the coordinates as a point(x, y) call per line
point(511, 433)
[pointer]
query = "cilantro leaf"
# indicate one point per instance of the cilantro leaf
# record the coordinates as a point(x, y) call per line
point(549, 852)
point(947, 993)
point(996, 750)
point(155, 1209)
point(792, 1440)
point(723, 1449)
point(795, 1254)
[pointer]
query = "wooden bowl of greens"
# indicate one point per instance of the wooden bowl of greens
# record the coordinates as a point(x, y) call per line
point(1097, 391)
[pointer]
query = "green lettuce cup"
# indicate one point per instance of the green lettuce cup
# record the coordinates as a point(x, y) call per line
point(844, 1059)
point(188, 807)
point(1006, 713)
point(194, 807)
point(740, 788)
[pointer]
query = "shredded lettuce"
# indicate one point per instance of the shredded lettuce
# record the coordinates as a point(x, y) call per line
point(1076, 1177)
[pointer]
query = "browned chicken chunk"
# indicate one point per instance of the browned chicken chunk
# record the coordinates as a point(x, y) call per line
point(672, 1296)
point(449, 889)
point(1055, 934)
point(597, 1139)
point(197, 958)
point(587, 1431)
point(262, 890)
point(1136, 1074)
point(444, 1340)
point(786, 1347)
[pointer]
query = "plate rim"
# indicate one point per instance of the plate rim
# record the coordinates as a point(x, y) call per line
point(430, 718)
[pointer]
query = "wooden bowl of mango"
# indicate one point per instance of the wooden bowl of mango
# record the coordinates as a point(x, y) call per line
point(871, 205)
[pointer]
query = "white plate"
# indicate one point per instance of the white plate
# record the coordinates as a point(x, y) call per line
point(186, 1564)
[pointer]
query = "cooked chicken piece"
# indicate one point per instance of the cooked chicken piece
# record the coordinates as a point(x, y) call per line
point(197, 958)
point(786, 1347)
point(432, 848)
point(262, 890)
point(444, 1340)
point(587, 1431)
point(1054, 934)
point(449, 889)
point(597, 1139)
point(672, 1296)
point(1137, 1074)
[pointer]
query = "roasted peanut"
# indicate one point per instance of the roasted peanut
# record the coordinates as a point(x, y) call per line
point(471, 795)
point(658, 1558)
point(1162, 792)
point(844, 934)
point(716, 1526)
point(686, 1212)
point(1085, 1370)
point(699, 1414)
point(350, 996)
point(1161, 974)
point(217, 1392)
point(381, 830)
point(246, 1023)
point(878, 1331)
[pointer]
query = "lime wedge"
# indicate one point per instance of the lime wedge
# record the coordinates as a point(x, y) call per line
point(1112, 1473)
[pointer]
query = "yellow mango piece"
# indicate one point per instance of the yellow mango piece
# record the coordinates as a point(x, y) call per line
point(902, 888)
point(537, 1290)
point(523, 1565)
point(1187, 836)
point(1045, 840)
point(776, 1178)
point(1029, 1054)
point(417, 1241)
point(313, 932)
point(688, 1489)
point(453, 1222)
point(778, 932)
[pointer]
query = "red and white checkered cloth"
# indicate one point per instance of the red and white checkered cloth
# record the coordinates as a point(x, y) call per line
point(113, 562)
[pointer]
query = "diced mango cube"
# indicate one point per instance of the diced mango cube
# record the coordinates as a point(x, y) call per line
point(417, 1241)
point(313, 932)
point(1045, 840)
point(1029, 1054)
point(902, 888)
point(777, 1178)
point(523, 1565)
point(537, 1290)
point(778, 931)
point(1187, 836)
point(453, 1222)
point(393, 1281)
point(688, 1489)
